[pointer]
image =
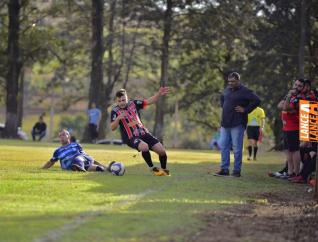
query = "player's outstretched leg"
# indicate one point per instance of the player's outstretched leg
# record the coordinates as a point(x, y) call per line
point(144, 148)
point(160, 150)
point(78, 164)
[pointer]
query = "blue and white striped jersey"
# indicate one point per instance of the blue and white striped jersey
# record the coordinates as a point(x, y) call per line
point(66, 154)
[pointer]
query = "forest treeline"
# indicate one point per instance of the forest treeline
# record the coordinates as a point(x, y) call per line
point(80, 50)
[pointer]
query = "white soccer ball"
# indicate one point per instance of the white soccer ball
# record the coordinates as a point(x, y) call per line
point(117, 169)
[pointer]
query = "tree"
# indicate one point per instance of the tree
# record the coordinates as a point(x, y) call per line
point(97, 53)
point(302, 41)
point(14, 68)
point(276, 56)
point(167, 22)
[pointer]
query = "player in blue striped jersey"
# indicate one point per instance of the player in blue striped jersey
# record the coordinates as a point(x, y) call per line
point(72, 156)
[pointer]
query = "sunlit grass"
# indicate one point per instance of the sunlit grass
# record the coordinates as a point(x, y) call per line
point(36, 203)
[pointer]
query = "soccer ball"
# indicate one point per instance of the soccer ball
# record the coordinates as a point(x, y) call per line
point(117, 169)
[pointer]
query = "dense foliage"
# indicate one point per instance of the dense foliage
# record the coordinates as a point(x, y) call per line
point(190, 45)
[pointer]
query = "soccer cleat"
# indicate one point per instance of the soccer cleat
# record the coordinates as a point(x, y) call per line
point(76, 167)
point(167, 172)
point(249, 158)
point(157, 172)
point(222, 173)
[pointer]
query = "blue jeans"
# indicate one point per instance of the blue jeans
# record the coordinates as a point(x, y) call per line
point(231, 138)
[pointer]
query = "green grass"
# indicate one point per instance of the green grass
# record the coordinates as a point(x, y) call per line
point(56, 205)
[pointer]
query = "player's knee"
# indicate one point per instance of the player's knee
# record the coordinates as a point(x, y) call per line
point(162, 152)
point(143, 147)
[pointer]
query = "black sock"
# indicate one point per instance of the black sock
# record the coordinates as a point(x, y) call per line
point(147, 157)
point(255, 151)
point(100, 168)
point(163, 161)
point(249, 151)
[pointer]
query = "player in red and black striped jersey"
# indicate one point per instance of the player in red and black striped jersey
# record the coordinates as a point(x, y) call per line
point(290, 116)
point(125, 114)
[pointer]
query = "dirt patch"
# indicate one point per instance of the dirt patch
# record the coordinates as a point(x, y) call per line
point(285, 216)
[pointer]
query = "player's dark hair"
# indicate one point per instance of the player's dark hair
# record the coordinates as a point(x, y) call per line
point(234, 75)
point(307, 82)
point(121, 92)
point(301, 80)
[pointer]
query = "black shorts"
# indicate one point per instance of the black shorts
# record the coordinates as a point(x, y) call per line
point(93, 130)
point(253, 132)
point(84, 161)
point(147, 138)
point(291, 140)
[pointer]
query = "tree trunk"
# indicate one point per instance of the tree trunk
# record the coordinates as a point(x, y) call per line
point(301, 52)
point(96, 84)
point(20, 98)
point(159, 118)
point(104, 120)
point(110, 71)
point(277, 131)
point(176, 120)
point(14, 68)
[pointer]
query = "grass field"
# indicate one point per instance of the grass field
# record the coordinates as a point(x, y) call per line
point(55, 205)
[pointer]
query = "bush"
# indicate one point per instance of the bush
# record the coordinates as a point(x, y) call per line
point(75, 124)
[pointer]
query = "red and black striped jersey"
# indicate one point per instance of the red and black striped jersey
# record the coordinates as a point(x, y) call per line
point(131, 126)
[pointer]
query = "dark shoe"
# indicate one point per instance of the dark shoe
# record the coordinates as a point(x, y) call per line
point(236, 174)
point(222, 173)
point(298, 179)
point(76, 167)
point(292, 176)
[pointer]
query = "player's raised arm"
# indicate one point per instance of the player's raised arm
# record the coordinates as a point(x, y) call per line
point(162, 92)
point(48, 164)
point(115, 122)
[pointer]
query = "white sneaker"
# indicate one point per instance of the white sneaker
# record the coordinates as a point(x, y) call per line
point(278, 175)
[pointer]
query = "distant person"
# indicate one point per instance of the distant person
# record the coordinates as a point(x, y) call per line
point(94, 117)
point(125, 114)
point(214, 143)
point(236, 102)
point(39, 129)
point(255, 127)
point(72, 157)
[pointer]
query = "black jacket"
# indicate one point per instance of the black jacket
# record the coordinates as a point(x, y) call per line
point(240, 96)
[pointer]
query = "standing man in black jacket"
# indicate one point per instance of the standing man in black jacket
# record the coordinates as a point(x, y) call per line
point(236, 101)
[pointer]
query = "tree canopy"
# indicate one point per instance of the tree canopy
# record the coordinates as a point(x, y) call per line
point(83, 50)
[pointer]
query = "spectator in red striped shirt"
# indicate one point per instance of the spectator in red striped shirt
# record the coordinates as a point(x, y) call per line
point(125, 114)
point(290, 118)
